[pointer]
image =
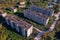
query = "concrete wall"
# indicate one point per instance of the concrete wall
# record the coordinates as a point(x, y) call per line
point(29, 31)
point(12, 24)
point(23, 32)
point(17, 28)
point(45, 21)
point(15, 10)
point(27, 14)
point(36, 18)
point(7, 21)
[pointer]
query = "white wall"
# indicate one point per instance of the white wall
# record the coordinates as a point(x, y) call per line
point(15, 10)
point(46, 21)
point(4, 14)
point(29, 31)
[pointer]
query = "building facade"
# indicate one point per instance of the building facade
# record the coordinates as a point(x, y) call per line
point(36, 16)
point(19, 25)
point(21, 4)
point(47, 11)
point(14, 9)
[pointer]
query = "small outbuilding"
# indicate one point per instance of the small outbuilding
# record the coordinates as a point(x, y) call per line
point(3, 13)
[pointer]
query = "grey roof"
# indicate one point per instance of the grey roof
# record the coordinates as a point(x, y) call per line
point(19, 21)
point(37, 13)
point(46, 11)
point(41, 7)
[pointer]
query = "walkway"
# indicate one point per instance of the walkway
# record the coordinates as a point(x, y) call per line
point(38, 37)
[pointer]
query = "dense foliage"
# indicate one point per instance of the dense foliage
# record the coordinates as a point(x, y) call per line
point(7, 34)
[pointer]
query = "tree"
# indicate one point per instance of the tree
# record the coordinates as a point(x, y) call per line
point(56, 8)
point(48, 38)
point(57, 35)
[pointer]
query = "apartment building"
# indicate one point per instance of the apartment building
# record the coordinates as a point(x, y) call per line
point(19, 25)
point(47, 11)
point(36, 16)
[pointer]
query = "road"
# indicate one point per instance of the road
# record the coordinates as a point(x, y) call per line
point(54, 23)
point(37, 29)
point(38, 37)
point(40, 33)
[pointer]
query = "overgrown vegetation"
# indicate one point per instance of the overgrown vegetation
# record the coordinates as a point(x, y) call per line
point(8, 34)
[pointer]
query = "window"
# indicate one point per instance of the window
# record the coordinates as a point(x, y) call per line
point(20, 30)
point(14, 25)
point(8, 22)
point(26, 33)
